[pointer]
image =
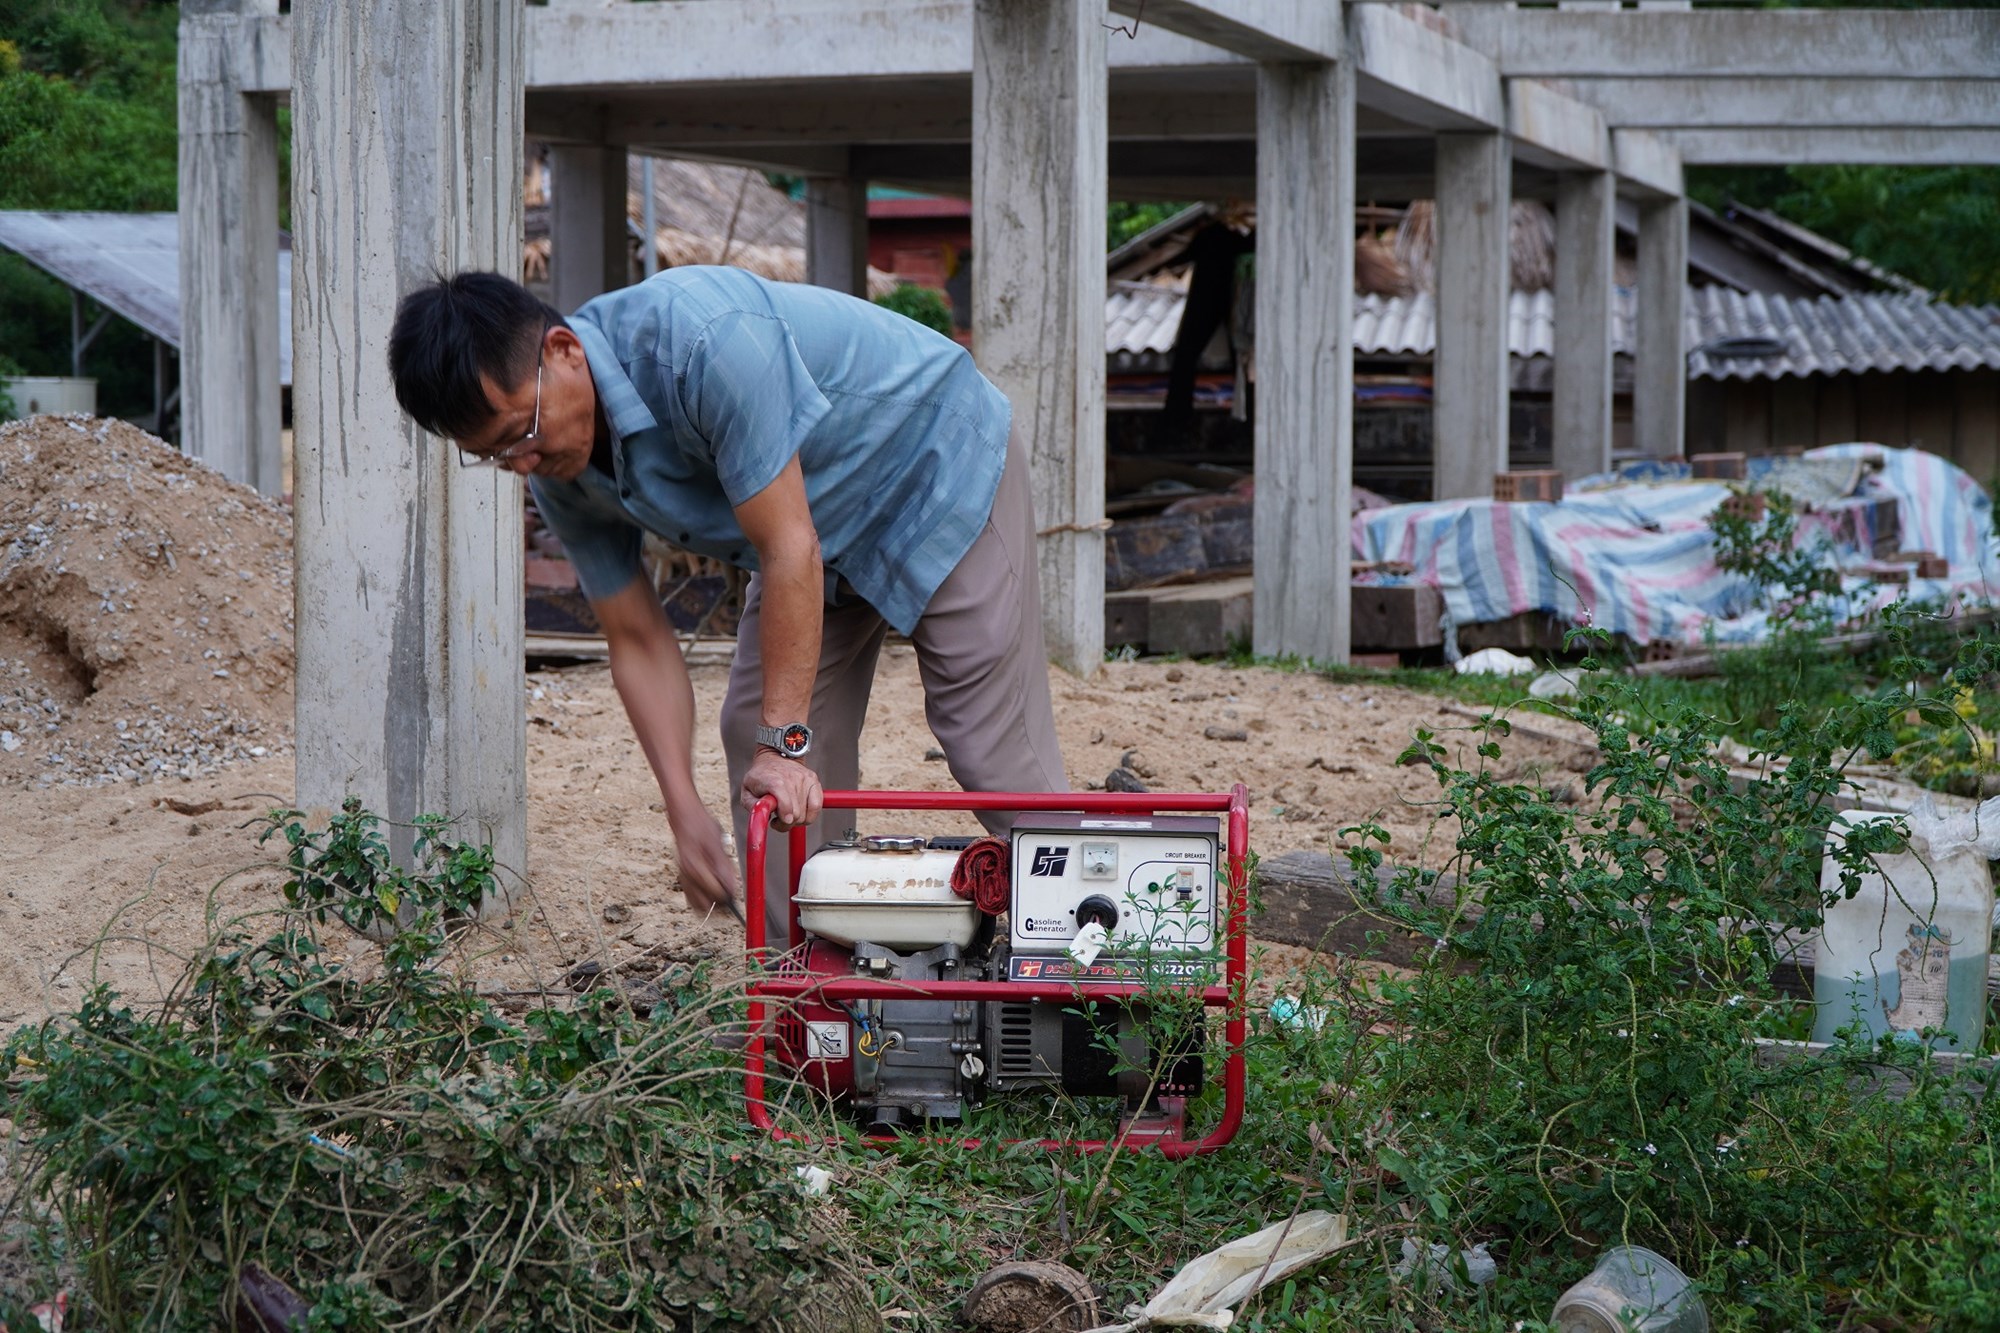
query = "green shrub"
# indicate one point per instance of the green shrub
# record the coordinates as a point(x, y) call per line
point(392, 1145)
point(926, 305)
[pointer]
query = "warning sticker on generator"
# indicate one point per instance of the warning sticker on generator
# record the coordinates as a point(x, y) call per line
point(1191, 971)
point(826, 1041)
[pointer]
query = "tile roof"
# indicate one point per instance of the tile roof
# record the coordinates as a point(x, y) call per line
point(1772, 336)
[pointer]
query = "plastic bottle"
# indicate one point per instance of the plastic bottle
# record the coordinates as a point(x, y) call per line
point(1908, 953)
point(1632, 1290)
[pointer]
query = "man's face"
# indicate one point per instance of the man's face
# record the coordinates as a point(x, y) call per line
point(546, 424)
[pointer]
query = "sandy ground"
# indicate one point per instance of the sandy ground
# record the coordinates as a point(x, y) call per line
point(117, 882)
point(145, 728)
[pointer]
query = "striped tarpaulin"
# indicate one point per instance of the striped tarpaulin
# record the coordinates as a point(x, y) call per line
point(1639, 559)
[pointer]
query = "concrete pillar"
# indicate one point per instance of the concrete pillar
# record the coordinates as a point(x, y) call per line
point(231, 414)
point(406, 133)
point(1586, 225)
point(1039, 191)
point(1659, 354)
point(1474, 194)
point(587, 251)
point(649, 219)
point(1305, 359)
point(837, 233)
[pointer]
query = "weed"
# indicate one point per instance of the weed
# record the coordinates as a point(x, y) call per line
point(395, 1147)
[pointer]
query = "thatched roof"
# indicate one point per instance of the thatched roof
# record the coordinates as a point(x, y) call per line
point(1531, 246)
point(780, 263)
point(707, 214)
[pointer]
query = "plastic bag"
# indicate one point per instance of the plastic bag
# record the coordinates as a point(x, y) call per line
point(1494, 662)
point(1938, 833)
point(1205, 1292)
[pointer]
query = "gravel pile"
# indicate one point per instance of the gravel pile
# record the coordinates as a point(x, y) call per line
point(145, 610)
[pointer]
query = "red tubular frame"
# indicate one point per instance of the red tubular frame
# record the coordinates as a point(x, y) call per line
point(1231, 995)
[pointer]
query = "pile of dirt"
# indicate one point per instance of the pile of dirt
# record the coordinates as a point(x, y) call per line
point(145, 610)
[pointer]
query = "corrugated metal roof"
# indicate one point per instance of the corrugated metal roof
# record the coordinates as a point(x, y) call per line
point(1822, 336)
point(1833, 335)
point(1140, 317)
point(129, 263)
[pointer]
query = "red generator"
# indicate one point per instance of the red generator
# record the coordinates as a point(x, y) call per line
point(920, 975)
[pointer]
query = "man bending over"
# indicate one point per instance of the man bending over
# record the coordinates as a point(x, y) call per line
point(855, 461)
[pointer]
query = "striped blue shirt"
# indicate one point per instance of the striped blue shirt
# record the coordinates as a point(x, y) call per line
point(712, 379)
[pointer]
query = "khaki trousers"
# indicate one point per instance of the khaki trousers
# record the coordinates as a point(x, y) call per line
point(984, 667)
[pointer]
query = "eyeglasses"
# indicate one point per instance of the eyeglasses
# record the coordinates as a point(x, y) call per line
point(528, 442)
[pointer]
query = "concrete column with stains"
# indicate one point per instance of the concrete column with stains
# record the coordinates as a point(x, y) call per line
point(588, 254)
point(1040, 188)
point(1586, 229)
point(837, 233)
point(231, 415)
point(1305, 359)
point(407, 132)
point(1470, 385)
point(1659, 354)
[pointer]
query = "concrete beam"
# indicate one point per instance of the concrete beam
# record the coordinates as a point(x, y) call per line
point(1586, 232)
point(837, 233)
point(1758, 103)
point(780, 41)
point(1647, 163)
point(1784, 43)
point(606, 47)
point(1659, 354)
point(406, 139)
point(1555, 131)
point(1304, 440)
point(588, 253)
point(1416, 73)
point(231, 413)
point(1836, 147)
point(1278, 31)
point(1474, 198)
point(1038, 199)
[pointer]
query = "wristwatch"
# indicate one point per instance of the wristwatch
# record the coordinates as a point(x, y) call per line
point(791, 740)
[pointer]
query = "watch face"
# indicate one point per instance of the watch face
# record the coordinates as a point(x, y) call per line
point(795, 738)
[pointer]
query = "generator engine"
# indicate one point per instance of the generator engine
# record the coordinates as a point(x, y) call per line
point(1088, 899)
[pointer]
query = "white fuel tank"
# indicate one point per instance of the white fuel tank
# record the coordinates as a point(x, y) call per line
point(892, 892)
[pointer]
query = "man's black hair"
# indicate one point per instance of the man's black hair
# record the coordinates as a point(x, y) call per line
point(448, 332)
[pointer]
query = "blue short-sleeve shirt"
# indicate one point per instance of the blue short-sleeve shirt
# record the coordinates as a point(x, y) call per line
point(712, 379)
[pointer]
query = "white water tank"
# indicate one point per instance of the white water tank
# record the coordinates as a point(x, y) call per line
point(35, 395)
point(1908, 951)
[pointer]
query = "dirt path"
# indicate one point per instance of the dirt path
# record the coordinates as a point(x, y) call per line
point(116, 881)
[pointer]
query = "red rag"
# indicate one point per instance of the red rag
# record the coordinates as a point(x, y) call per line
point(981, 875)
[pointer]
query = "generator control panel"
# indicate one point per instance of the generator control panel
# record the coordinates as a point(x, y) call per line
point(1150, 881)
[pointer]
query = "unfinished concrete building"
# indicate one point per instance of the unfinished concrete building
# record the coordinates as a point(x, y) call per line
point(408, 121)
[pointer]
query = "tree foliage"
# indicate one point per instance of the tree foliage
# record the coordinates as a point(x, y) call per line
point(1937, 226)
point(87, 105)
point(87, 121)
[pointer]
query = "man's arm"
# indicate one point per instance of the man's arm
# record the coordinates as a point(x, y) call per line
point(779, 524)
point(652, 680)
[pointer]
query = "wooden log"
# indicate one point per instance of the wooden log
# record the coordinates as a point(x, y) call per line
point(1879, 1080)
point(1200, 620)
point(1315, 903)
point(1397, 618)
point(1148, 552)
point(1127, 617)
point(1198, 537)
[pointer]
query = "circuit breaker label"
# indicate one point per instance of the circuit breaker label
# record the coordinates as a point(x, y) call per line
point(826, 1041)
